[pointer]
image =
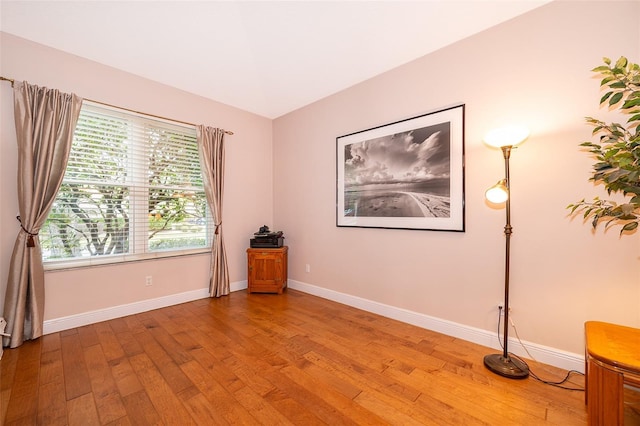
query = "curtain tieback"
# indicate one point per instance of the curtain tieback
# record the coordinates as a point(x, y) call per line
point(218, 225)
point(30, 241)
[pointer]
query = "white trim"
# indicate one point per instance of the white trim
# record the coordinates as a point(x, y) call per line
point(544, 354)
point(239, 285)
point(92, 317)
point(112, 259)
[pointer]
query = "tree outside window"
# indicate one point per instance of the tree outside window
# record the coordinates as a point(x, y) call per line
point(132, 186)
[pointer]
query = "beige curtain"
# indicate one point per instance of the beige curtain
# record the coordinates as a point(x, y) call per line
point(211, 149)
point(45, 122)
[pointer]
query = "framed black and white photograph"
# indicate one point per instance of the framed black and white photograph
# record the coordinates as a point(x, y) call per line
point(406, 175)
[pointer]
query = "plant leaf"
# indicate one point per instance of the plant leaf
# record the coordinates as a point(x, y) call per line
point(622, 62)
point(615, 98)
point(605, 97)
point(630, 103)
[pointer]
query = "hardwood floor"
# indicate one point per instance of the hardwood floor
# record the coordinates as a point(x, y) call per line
point(268, 359)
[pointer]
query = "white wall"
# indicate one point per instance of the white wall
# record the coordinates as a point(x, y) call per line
point(534, 70)
point(248, 201)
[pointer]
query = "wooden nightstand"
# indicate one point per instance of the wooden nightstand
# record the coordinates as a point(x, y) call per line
point(267, 270)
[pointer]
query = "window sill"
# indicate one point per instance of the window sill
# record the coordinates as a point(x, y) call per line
point(60, 265)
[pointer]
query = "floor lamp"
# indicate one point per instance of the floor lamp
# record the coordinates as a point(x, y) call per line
point(505, 139)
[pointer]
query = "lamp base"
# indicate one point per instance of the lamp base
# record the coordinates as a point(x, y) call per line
point(510, 368)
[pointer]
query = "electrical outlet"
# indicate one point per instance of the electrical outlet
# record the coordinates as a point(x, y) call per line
point(307, 268)
point(148, 280)
point(500, 307)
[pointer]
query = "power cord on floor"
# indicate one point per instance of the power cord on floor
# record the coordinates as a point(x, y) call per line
point(559, 384)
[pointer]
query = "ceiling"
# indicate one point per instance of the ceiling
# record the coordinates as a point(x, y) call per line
point(266, 57)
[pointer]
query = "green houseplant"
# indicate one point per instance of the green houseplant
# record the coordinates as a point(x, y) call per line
point(617, 150)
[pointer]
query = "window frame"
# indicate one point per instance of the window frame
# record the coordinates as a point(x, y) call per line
point(139, 189)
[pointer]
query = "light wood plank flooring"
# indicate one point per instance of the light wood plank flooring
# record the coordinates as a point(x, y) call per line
point(291, 359)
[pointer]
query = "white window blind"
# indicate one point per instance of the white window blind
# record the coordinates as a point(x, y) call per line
point(132, 189)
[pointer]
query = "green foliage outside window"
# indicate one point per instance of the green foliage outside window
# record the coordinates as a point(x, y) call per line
point(128, 188)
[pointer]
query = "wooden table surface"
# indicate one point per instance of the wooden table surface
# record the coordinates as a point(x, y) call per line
point(613, 344)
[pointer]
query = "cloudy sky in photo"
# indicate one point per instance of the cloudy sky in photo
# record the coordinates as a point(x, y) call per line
point(408, 157)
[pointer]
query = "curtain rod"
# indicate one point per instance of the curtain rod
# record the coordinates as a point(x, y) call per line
point(228, 132)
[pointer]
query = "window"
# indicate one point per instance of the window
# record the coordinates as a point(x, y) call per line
point(132, 189)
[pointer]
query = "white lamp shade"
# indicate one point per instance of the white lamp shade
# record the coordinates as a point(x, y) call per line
point(506, 136)
point(498, 193)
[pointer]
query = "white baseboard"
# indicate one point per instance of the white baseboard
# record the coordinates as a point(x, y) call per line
point(92, 317)
point(545, 354)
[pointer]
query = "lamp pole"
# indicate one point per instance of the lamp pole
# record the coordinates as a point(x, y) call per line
point(503, 364)
point(508, 230)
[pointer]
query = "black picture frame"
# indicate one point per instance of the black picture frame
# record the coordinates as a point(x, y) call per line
point(405, 175)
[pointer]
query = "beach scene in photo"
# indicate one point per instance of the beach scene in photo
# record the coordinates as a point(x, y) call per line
point(405, 174)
